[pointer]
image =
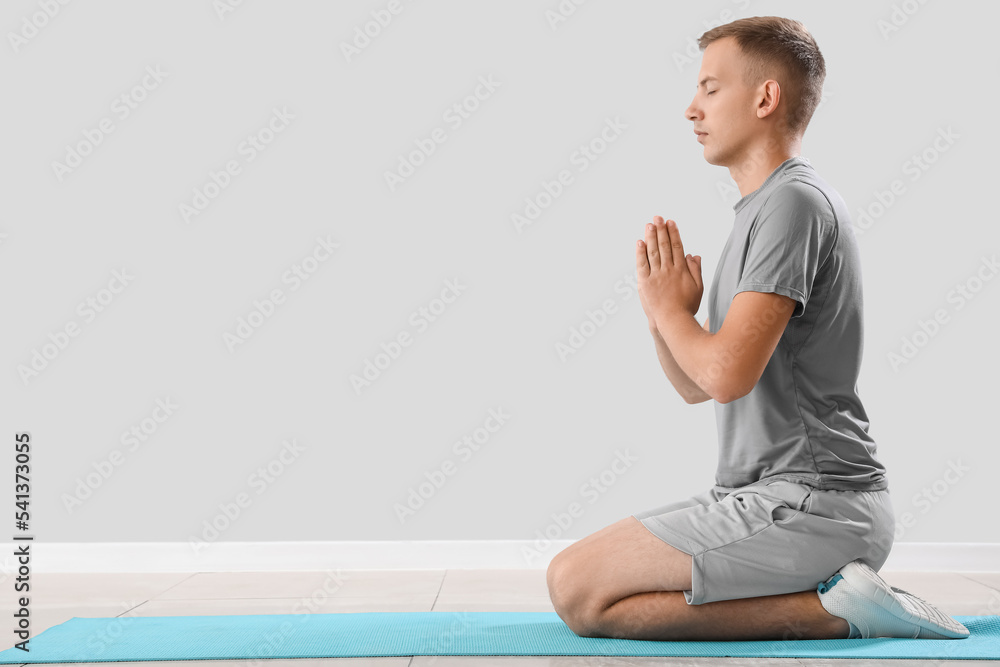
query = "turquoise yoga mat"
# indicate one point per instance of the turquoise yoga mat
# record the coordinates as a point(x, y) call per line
point(369, 634)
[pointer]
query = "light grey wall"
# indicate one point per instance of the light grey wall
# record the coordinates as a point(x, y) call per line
point(494, 346)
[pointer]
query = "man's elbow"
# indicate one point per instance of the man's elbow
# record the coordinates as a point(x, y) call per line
point(726, 398)
point(730, 389)
point(694, 399)
point(713, 393)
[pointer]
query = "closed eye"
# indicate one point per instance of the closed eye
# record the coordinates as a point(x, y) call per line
point(713, 92)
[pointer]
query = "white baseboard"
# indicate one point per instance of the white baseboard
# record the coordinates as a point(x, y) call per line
point(944, 557)
point(396, 555)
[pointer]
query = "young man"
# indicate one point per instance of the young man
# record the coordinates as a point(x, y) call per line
point(786, 544)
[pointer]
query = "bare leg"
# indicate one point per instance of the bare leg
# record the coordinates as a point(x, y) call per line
point(666, 615)
point(624, 582)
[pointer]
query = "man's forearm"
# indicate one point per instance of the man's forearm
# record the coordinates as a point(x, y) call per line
point(692, 349)
point(685, 386)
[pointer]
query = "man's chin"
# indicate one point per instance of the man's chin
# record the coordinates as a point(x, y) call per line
point(714, 158)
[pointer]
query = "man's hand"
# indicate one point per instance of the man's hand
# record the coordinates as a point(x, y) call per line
point(669, 281)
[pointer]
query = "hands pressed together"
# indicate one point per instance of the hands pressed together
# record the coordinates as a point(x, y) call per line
point(669, 281)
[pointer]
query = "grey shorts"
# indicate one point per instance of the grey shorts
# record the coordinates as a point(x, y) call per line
point(770, 538)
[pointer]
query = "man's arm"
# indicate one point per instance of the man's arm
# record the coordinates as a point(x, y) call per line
point(727, 365)
point(685, 386)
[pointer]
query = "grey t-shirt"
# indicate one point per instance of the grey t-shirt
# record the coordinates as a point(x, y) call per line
point(803, 421)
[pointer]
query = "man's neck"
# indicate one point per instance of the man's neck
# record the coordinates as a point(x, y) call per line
point(750, 180)
point(762, 159)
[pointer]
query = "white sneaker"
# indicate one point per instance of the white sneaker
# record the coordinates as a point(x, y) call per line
point(873, 608)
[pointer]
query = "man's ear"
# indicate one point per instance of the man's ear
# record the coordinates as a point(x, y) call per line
point(770, 95)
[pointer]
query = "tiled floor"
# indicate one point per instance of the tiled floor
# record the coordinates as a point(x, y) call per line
point(59, 597)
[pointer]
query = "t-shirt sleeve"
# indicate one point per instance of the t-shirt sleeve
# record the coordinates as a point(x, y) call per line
point(791, 238)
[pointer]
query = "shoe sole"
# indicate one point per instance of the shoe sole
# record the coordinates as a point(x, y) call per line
point(875, 588)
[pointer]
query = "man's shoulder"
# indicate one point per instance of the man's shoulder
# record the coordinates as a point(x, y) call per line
point(806, 196)
point(803, 189)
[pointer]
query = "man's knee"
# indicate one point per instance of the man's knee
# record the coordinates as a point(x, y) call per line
point(559, 582)
point(570, 599)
